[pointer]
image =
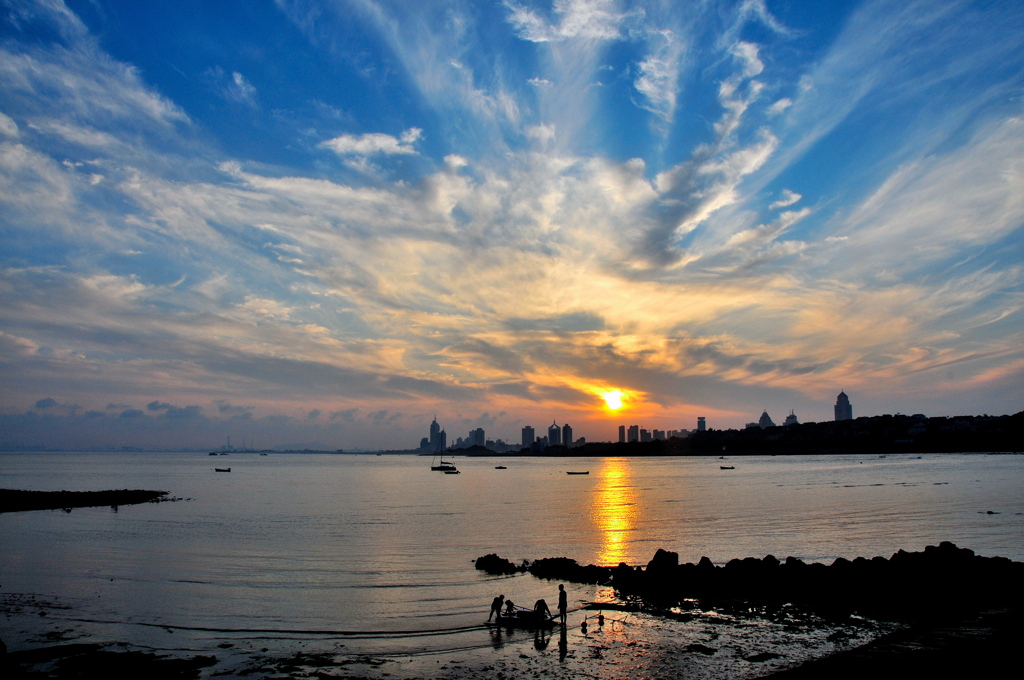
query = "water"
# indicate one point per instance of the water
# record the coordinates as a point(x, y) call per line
point(359, 552)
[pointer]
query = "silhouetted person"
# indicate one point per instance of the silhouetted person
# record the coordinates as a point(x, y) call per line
point(510, 608)
point(496, 607)
point(563, 604)
point(541, 609)
point(583, 627)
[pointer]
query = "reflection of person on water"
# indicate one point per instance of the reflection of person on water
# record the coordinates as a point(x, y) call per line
point(541, 609)
point(563, 603)
point(496, 607)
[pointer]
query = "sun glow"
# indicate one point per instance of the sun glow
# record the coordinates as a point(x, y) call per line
point(613, 399)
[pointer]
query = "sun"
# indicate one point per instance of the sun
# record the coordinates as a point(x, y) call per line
point(613, 399)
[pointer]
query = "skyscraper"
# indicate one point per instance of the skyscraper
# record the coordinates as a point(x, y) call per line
point(844, 409)
point(567, 435)
point(622, 434)
point(435, 437)
point(554, 434)
point(634, 433)
point(529, 437)
point(701, 424)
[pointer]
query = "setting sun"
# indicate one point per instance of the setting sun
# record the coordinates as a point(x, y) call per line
point(613, 399)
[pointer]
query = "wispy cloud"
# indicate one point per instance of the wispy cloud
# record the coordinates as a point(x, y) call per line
point(374, 143)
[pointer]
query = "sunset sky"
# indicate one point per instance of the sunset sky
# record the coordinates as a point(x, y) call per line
point(320, 222)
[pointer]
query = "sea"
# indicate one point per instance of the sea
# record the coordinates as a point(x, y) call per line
point(363, 565)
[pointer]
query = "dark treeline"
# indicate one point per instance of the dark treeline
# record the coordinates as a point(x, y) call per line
point(941, 580)
point(875, 434)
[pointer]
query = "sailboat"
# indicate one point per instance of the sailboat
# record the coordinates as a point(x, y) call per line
point(443, 466)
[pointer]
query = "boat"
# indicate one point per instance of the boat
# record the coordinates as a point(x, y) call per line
point(500, 467)
point(524, 618)
point(444, 466)
point(727, 467)
point(577, 472)
point(453, 471)
point(222, 469)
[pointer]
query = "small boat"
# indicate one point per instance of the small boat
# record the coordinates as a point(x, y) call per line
point(577, 472)
point(453, 471)
point(727, 467)
point(443, 466)
point(524, 618)
point(222, 469)
point(500, 467)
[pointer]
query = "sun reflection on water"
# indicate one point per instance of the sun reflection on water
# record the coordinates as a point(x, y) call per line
point(613, 510)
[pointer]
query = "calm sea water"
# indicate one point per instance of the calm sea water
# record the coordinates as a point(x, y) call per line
point(303, 543)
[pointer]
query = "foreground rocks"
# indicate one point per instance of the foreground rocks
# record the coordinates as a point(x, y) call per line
point(13, 500)
point(941, 579)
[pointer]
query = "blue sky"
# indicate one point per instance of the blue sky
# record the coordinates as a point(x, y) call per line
point(320, 223)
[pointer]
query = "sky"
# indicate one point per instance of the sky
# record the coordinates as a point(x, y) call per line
point(320, 223)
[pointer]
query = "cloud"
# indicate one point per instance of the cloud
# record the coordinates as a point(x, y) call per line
point(157, 406)
point(132, 413)
point(580, 19)
point(787, 199)
point(374, 143)
point(47, 402)
point(658, 75)
point(8, 127)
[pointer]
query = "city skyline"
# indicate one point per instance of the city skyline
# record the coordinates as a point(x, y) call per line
point(318, 224)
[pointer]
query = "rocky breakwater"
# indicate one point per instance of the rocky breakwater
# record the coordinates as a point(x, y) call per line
point(941, 580)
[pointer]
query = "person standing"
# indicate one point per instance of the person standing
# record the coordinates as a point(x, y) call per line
point(563, 603)
point(496, 607)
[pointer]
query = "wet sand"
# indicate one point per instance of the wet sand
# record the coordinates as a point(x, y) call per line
point(978, 644)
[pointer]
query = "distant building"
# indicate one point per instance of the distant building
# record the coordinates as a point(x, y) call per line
point(529, 437)
point(622, 434)
point(765, 421)
point(679, 434)
point(701, 424)
point(425, 444)
point(435, 435)
point(567, 435)
point(645, 435)
point(477, 438)
point(791, 419)
point(659, 435)
point(554, 434)
point(844, 409)
point(634, 433)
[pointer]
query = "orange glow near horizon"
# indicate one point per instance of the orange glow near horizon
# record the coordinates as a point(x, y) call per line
point(613, 510)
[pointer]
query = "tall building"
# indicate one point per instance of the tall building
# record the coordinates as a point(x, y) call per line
point(765, 421)
point(844, 409)
point(645, 435)
point(529, 437)
point(622, 434)
point(701, 424)
point(437, 439)
point(477, 437)
point(634, 433)
point(567, 435)
point(554, 434)
point(791, 419)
